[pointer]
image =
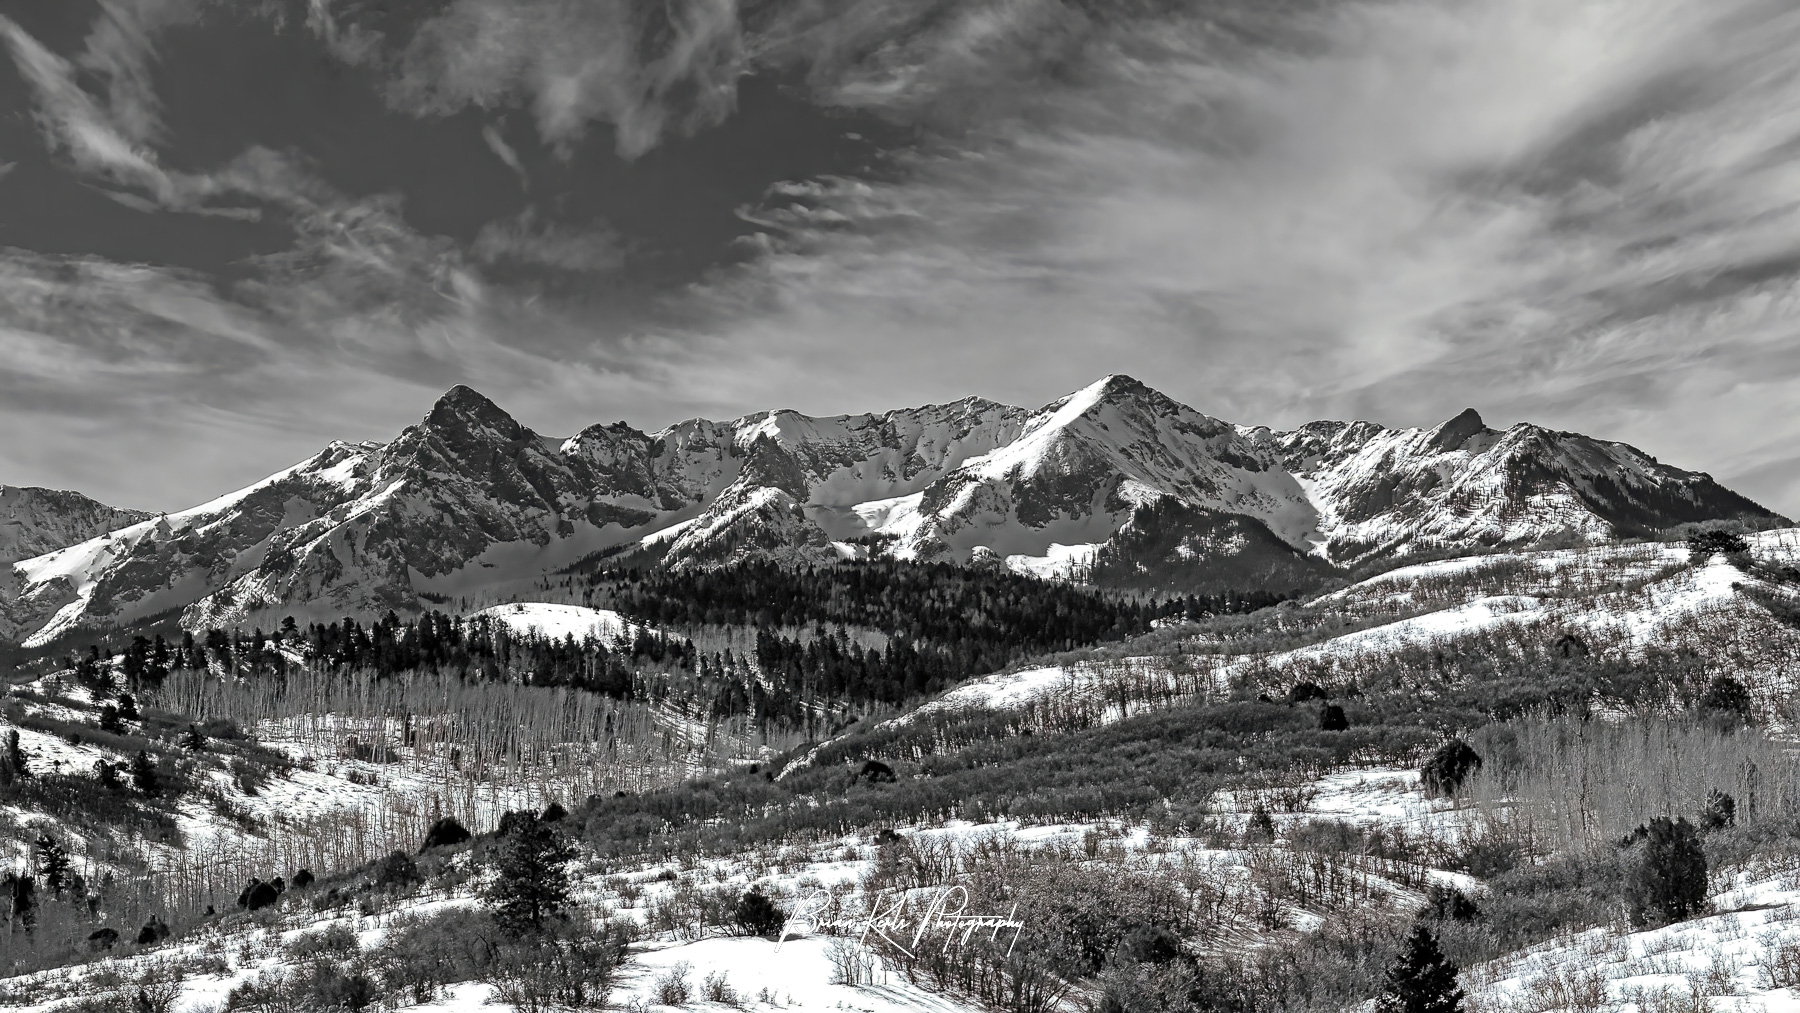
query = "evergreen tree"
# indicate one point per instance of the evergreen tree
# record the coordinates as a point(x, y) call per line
point(531, 886)
point(1422, 979)
point(128, 707)
point(1668, 882)
point(1449, 765)
point(144, 776)
point(1332, 719)
point(53, 864)
point(1729, 699)
point(109, 720)
point(13, 766)
point(23, 894)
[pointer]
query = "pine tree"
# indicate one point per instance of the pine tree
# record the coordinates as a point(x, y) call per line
point(53, 864)
point(1669, 880)
point(1422, 979)
point(143, 774)
point(531, 886)
point(13, 765)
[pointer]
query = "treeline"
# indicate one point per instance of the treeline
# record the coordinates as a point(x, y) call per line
point(477, 647)
point(971, 611)
point(826, 639)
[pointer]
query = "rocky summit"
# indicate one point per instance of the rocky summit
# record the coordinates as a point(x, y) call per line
point(1115, 483)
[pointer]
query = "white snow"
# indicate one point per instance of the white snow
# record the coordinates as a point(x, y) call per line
point(1059, 562)
point(557, 621)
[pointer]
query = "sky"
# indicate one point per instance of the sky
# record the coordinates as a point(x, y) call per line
point(232, 231)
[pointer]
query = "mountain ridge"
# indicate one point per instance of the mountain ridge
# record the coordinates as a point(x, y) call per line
point(1116, 479)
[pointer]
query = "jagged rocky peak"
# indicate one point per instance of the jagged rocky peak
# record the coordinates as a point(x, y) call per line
point(464, 408)
point(34, 521)
point(470, 498)
point(1456, 432)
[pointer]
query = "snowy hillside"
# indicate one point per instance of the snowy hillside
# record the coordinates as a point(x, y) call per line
point(36, 521)
point(1625, 600)
point(1115, 481)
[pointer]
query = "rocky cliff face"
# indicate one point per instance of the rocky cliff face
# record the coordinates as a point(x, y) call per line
point(1116, 473)
point(36, 521)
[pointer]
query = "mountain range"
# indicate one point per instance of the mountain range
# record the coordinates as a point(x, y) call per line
point(1116, 482)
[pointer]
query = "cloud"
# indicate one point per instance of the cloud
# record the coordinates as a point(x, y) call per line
point(643, 69)
point(1575, 210)
point(526, 240)
point(75, 123)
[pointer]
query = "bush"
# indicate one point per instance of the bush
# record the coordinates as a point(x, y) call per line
point(397, 872)
point(542, 975)
point(1707, 544)
point(757, 915)
point(1149, 944)
point(1447, 903)
point(1448, 767)
point(1728, 698)
point(1667, 883)
point(718, 989)
point(1332, 719)
point(1304, 691)
point(445, 833)
point(573, 963)
point(1720, 812)
point(671, 987)
point(332, 941)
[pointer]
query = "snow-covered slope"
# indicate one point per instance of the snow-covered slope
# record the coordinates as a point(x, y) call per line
point(1385, 492)
point(1618, 600)
point(1116, 479)
point(35, 521)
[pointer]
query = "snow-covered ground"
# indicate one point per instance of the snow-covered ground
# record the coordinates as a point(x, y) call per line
point(1730, 960)
point(557, 621)
point(1635, 596)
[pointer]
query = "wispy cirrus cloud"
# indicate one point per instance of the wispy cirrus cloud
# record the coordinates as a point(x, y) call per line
point(1579, 212)
point(1582, 213)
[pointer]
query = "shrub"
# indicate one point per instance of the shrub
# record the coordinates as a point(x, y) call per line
point(1304, 691)
point(539, 976)
point(1149, 944)
point(446, 832)
point(144, 776)
point(1707, 544)
point(876, 771)
point(1448, 767)
point(1668, 881)
point(671, 987)
point(718, 989)
point(757, 915)
point(397, 872)
point(1728, 698)
point(1447, 903)
point(1332, 719)
point(335, 940)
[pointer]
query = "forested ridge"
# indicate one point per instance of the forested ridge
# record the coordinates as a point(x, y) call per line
point(808, 641)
